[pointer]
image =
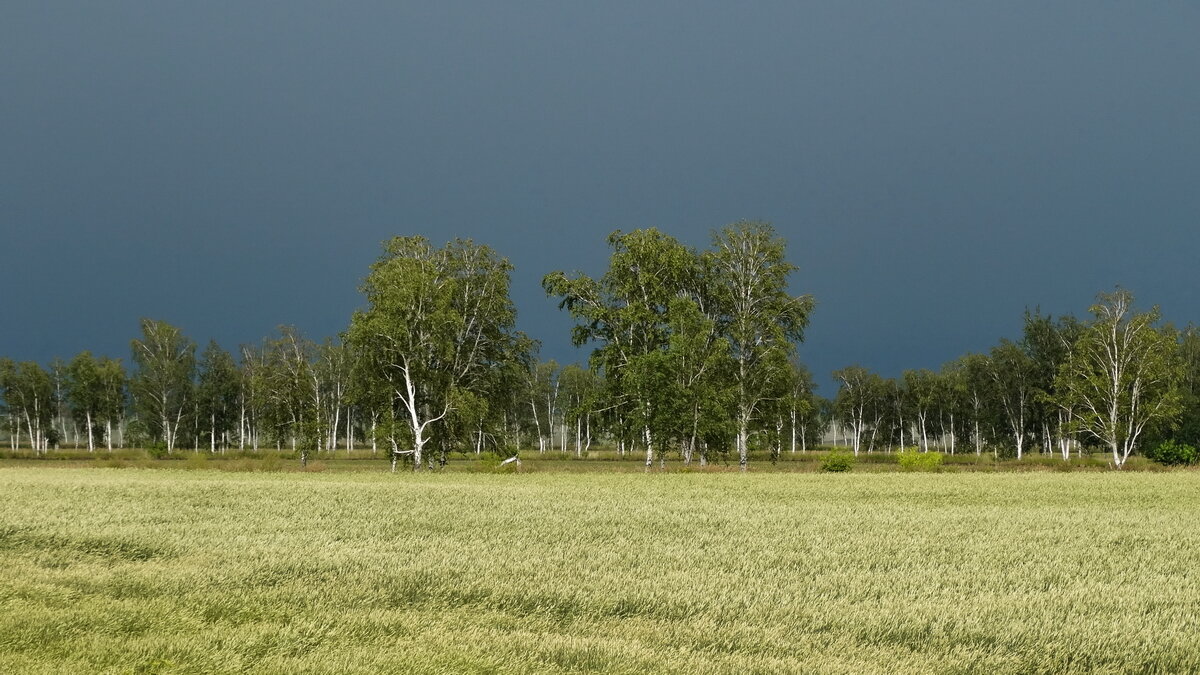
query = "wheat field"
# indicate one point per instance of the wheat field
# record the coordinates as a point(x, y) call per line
point(170, 571)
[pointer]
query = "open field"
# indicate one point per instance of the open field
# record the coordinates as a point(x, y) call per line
point(144, 571)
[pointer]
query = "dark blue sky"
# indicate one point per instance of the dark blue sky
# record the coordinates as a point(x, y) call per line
point(936, 167)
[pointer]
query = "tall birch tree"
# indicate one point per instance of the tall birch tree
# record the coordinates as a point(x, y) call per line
point(85, 392)
point(437, 321)
point(1014, 376)
point(762, 320)
point(1123, 374)
point(626, 312)
point(162, 383)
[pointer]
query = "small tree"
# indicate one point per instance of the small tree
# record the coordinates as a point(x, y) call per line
point(1122, 375)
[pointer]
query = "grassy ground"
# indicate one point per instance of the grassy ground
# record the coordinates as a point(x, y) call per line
point(598, 460)
point(140, 571)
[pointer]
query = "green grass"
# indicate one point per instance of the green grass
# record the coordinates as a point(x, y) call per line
point(598, 460)
point(141, 571)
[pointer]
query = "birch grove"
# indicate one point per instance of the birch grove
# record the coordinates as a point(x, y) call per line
point(694, 357)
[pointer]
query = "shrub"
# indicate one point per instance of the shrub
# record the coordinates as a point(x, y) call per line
point(911, 460)
point(1173, 454)
point(490, 462)
point(837, 462)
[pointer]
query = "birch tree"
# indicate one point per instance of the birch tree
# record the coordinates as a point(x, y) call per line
point(852, 400)
point(1013, 373)
point(762, 320)
point(437, 321)
point(332, 372)
point(922, 387)
point(162, 384)
point(111, 407)
point(1189, 357)
point(580, 390)
point(253, 394)
point(295, 393)
point(1049, 343)
point(700, 366)
point(626, 312)
point(217, 392)
point(29, 395)
point(1122, 375)
point(85, 392)
point(8, 371)
point(803, 407)
point(976, 376)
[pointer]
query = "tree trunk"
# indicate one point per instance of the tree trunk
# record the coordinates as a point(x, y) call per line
point(743, 441)
point(649, 448)
point(793, 430)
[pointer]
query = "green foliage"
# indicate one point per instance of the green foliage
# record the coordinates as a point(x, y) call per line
point(162, 384)
point(1173, 453)
point(837, 462)
point(439, 325)
point(912, 460)
point(1123, 376)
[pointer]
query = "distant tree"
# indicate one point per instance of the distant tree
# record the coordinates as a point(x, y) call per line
point(1049, 343)
point(254, 399)
point(162, 384)
point(111, 405)
point(29, 396)
point(437, 321)
point(924, 389)
point(1189, 389)
point(699, 363)
point(1013, 375)
point(580, 391)
point(8, 407)
point(295, 396)
point(762, 320)
point(541, 393)
point(331, 368)
point(954, 399)
point(627, 313)
point(898, 398)
point(217, 392)
point(1122, 375)
point(804, 407)
point(977, 384)
point(856, 401)
point(36, 389)
point(85, 391)
point(60, 406)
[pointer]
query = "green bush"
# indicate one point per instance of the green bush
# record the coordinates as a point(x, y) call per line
point(1173, 454)
point(490, 462)
point(837, 462)
point(911, 460)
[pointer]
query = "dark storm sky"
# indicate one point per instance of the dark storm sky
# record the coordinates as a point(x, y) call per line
point(935, 167)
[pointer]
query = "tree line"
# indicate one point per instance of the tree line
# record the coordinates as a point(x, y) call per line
point(693, 356)
point(1119, 381)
